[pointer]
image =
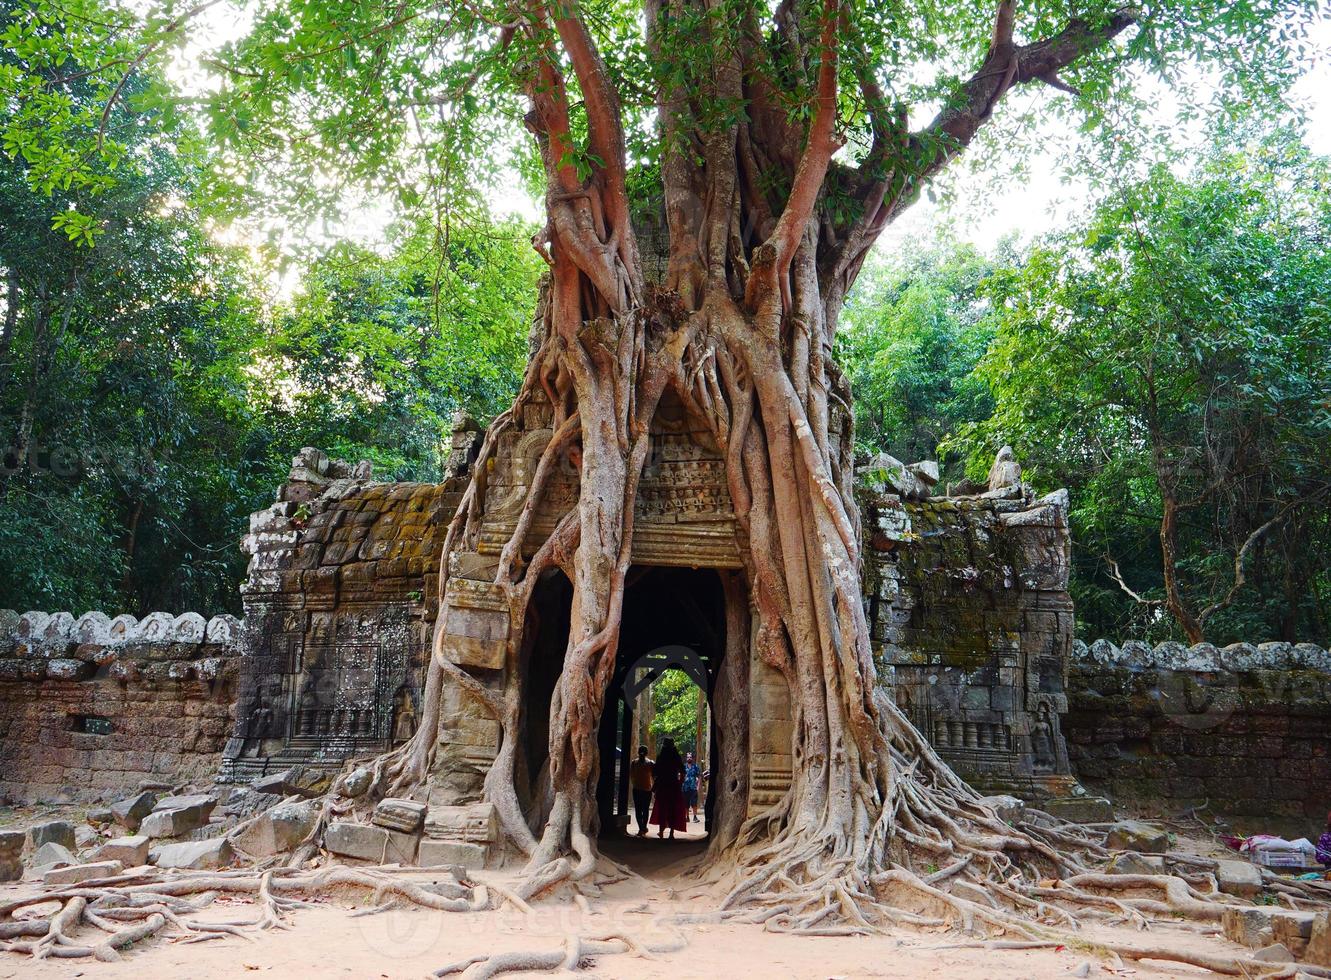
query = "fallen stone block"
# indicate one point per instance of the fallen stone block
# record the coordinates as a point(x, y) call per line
point(178, 815)
point(1293, 929)
point(130, 851)
point(1080, 809)
point(365, 842)
point(1136, 835)
point(51, 855)
point(296, 781)
point(75, 873)
point(278, 830)
point(194, 855)
point(129, 812)
point(404, 816)
point(1275, 953)
point(11, 854)
point(441, 852)
point(1242, 878)
point(1132, 863)
point(355, 783)
point(52, 832)
point(476, 822)
point(1249, 927)
point(1318, 952)
point(100, 817)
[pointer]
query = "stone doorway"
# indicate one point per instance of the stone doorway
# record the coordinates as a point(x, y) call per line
point(674, 619)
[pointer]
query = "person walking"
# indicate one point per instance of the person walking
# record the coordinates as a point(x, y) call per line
point(668, 811)
point(691, 776)
point(640, 780)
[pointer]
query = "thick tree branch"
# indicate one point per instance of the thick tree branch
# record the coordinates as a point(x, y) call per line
point(814, 161)
point(1005, 65)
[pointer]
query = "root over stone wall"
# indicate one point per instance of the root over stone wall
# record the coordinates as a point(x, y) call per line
point(94, 706)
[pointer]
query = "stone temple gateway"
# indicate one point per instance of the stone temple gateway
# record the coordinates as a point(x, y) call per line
point(967, 596)
point(971, 627)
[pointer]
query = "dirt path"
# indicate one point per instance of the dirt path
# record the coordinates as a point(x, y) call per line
point(328, 942)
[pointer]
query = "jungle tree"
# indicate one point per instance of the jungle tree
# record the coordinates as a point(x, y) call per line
point(779, 140)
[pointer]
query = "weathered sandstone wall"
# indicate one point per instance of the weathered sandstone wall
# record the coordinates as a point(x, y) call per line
point(1244, 729)
point(94, 706)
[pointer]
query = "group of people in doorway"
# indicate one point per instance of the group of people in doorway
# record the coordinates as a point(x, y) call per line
point(668, 786)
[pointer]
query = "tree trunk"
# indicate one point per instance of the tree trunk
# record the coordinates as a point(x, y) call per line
point(741, 331)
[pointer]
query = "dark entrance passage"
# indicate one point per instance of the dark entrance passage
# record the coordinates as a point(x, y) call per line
point(674, 619)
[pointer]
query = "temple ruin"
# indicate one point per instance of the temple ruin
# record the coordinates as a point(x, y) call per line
point(967, 595)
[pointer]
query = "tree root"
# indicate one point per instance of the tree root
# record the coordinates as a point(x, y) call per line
point(157, 903)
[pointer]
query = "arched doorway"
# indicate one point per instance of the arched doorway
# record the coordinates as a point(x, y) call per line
point(674, 619)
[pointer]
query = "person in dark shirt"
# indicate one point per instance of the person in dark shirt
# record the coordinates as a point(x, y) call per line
point(640, 779)
point(691, 776)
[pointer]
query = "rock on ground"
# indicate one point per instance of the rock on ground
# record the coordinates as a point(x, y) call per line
point(76, 873)
point(1136, 835)
point(194, 855)
point(53, 831)
point(131, 851)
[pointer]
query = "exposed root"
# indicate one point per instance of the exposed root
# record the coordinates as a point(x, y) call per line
point(142, 906)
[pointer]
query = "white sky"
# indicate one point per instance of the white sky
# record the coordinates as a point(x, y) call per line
point(985, 205)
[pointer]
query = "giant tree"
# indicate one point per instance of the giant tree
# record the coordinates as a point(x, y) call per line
point(777, 142)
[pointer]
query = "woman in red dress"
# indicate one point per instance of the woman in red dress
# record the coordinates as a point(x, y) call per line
point(668, 810)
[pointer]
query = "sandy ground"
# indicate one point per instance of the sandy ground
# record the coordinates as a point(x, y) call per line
point(411, 943)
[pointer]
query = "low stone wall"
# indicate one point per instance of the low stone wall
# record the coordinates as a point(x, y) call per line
point(94, 706)
point(1243, 728)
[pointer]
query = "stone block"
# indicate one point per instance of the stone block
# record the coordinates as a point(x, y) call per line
point(1132, 863)
point(53, 831)
point(476, 823)
point(129, 812)
point(130, 851)
point(1248, 926)
point(278, 830)
point(51, 855)
point(1242, 878)
point(177, 815)
point(75, 873)
point(434, 853)
point(296, 781)
point(355, 783)
point(1136, 835)
point(1008, 808)
point(404, 816)
point(1275, 953)
point(195, 855)
point(1080, 809)
point(365, 842)
point(1318, 952)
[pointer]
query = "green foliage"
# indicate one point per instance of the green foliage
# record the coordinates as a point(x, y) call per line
point(374, 355)
point(675, 697)
point(914, 329)
point(147, 403)
point(1179, 343)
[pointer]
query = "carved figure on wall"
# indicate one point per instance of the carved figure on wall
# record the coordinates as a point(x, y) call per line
point(1042, 740)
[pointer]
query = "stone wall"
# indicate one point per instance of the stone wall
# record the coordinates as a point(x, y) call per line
point(93, 706)
point(972, 624)
point(1244, 728)
point(340, 599)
